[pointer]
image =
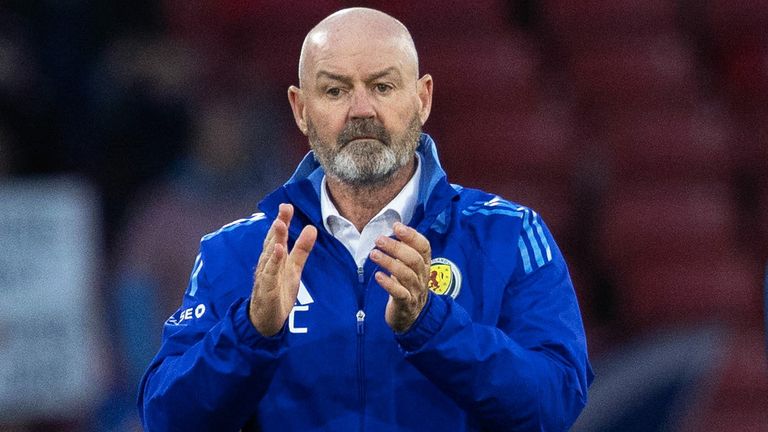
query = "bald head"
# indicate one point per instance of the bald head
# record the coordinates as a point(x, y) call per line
point(357, 31)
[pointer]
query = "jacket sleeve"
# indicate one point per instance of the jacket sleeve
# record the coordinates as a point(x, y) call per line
point(213, 366)
point(530, 371)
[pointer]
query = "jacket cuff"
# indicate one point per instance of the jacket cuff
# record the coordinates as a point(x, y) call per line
point(428, 323)
point(247, 333)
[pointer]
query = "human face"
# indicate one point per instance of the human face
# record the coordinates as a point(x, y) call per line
point(362, 108)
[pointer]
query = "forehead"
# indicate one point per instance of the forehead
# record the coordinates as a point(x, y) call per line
point(350, 54)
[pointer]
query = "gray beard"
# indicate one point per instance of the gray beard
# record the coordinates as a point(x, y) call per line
point(366, 162)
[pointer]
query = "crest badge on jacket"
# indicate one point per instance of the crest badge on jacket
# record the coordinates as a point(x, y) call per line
point(444, 277)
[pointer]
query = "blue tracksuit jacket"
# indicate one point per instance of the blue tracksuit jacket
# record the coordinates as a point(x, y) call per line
point(499, 346)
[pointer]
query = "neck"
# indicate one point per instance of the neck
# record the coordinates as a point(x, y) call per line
point(359, 204)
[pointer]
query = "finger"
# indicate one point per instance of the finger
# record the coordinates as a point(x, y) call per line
point(277, 230)
point(271, 232)
point(281, 233)
point(272, 267)
point(265, 279)
point(396, 268)
point(266, 250)
point(393, 287)
point(401, 251)
point(285, 214)
point(278, 233)
point(303, 246)
point(414, 239)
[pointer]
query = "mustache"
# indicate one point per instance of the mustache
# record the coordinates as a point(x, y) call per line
point(363, 128)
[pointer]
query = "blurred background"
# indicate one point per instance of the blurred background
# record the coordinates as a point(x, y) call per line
point(638, 129)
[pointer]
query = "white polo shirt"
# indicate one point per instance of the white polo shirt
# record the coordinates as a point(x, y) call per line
point(360, 244)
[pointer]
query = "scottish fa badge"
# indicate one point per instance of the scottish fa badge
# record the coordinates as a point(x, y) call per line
point(444, 277)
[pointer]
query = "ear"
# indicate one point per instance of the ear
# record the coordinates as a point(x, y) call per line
point(424, 89)
point(296, 99)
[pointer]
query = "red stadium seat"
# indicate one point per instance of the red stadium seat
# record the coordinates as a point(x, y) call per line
point(641, 72)
point(239, 18)
point(500, 147)
point(762, 219)
point(431, 18)
point(745, 76)
point(675, 257)
point(751, 146)
point(737, 395)
point(667, 222)
point(248, 40)
point(737, 24)
point(673, 291)
point(575, 22)
point(499, 72)
point(695, 144)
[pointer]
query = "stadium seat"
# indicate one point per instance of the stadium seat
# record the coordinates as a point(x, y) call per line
point(495, 71)
point(234, 18)
point(666, 221)
point(500, 147)
point(737, 395)
point(640, 72)
point(647, 383)
point(431, 18)
point(745, 77)
point(248, 40)
point(576, 22)
point(692, 144)
point(670, 291)
point(674, 255)
point(751, 146)
point(761, 231)
point(735, 24)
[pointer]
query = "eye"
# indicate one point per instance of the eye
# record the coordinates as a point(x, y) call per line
point(383, 88)
point(333, 92)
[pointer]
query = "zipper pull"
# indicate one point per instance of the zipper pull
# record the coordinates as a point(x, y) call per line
point(360, 321)
point(360, 276)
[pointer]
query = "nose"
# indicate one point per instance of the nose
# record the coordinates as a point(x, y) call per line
point(362, 106)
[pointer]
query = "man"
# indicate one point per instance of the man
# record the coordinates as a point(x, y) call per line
point(383, 297)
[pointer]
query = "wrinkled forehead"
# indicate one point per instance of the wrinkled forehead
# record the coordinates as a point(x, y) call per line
point(356, 49)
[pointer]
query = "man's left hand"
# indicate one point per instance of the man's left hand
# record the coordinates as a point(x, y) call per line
point(407, 260)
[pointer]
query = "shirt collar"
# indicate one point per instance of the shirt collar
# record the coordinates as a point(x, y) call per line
point(402, 205)
point(303, 191)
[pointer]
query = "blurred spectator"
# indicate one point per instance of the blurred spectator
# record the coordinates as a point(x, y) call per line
point(6, 152)
point(139, 104)
point(220, 180)
point(27, 109)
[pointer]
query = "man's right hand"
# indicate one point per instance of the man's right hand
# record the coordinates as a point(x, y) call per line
point(278, 273)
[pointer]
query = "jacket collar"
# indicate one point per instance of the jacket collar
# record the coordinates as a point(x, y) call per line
point(303, 189)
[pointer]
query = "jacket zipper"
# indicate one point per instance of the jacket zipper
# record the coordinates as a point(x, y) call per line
point(360, 317)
